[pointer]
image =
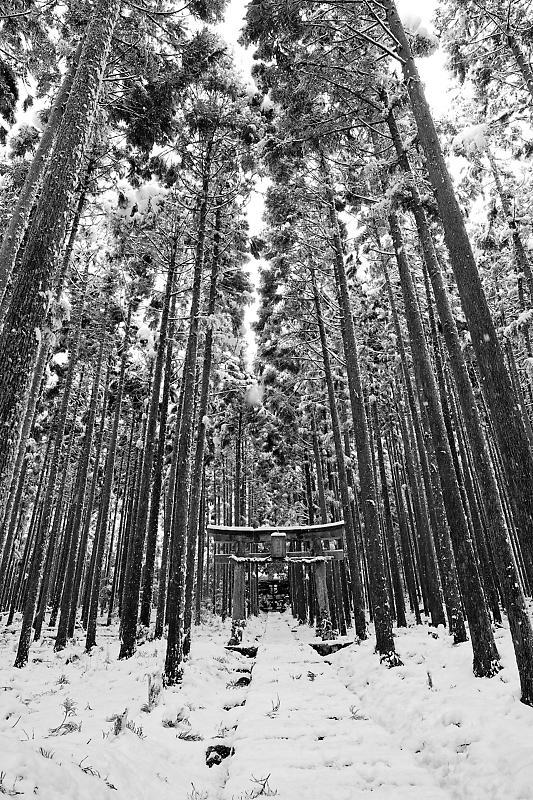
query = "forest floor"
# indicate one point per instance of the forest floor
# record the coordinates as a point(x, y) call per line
point(341, 727)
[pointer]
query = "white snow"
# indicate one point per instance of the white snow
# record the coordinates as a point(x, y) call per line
point(474, 137)
point(254, 396)
point(61, 358)
point(417, 26)
point(65, 306)
point(83, 764)
point(267, 103)
point(138, 201)
point(341, 727)
point(524, 319)
point(470, 733)
point(145, 336)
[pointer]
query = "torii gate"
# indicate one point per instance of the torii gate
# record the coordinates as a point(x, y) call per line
point(311, 545)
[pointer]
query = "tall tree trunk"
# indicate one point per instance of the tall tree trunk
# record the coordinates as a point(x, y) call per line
point(122, 525)
point(162, 600)
point(238, 472)
point(30, 540)
point(39, 366)
point(495, 380)
point(85, 567)
point(514, 600)
point(319, 473)
point(13, 529)
point(157, 482)
point(378, 580)
point(22, 330)
point(308, 489)
point(357, 594)
point(13, 474)
point(105, 499)
point(524, 65)
point(404, 535)
point(427, 505)
point(130, 608)
point(70, 596)
point(55, 527)
point(198, 464)
point(174, 653)
point(399, 601)
point(20, 218)
point(486, 658)
point(39, 552)
point(200, 583)
point(521, 258)
point(168, 507)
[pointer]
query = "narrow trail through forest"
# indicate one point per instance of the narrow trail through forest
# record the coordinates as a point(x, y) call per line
point(299, 729)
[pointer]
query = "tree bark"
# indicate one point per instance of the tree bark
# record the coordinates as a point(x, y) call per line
point(523, 64)
point(486, 658)
point(359, 615)
point(399, 601)
point(22, 331)
point(130, 608)
point(54, 537)
point(174, 653)
point(198, 465)
point(105, 499)
point(514, 600)
point(70, 595)
point(20, 218)
point(495, 380)
point(36, 570)
point(157, 482)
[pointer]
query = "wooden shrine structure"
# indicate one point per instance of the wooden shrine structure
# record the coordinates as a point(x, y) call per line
point(313, 557)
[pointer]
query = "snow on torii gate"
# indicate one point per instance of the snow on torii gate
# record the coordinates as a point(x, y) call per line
point(240, 546)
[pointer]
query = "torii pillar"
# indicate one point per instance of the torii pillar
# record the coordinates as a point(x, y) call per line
point(321, 587)
point(238, 604)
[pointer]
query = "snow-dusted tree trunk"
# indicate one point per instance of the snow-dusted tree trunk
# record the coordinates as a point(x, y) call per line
point(36, 569)
point(319, 474)
point(174, 653)
point(21, 213)
point(70, 592)
point(378, 587)
point(167, 525)
point(198, 464)
point(13, 475)
point(54, 536)
point(85, 568)
point(130, 608)
point(524, 65)
point(495, 380)
point(157, 481)
point(355, 574)
point(427, 505)
point(399, 601)
point(403, 530)
point(105, 499)
point(486, 658)
point(125, 491)
point(22, 331)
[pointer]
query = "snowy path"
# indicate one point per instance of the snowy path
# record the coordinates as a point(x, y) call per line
point(298, 728)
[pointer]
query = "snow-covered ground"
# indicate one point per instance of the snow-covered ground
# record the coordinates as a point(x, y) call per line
point(342, 727)
point(165, 758)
